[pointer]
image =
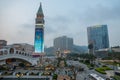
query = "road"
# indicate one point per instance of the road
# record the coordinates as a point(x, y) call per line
point(81, 75)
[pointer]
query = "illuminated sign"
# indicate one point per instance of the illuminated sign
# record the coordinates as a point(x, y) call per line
point(39, 40)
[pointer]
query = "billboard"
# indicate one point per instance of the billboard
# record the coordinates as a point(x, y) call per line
point(39, 40)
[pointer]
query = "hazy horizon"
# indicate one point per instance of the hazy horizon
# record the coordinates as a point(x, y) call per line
point(64, 17)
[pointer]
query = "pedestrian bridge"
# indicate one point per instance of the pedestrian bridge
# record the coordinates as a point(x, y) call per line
point(17, 54)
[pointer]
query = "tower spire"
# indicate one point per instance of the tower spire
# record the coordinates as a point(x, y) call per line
point(40, 11)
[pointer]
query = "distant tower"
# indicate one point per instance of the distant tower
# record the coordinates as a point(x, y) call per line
point(63, 43)
point(39, 32)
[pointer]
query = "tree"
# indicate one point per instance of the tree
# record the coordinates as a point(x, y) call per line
point(90, 46)
point(22, 65)
point(89, 57)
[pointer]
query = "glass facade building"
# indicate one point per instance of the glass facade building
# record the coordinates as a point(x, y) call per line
point(98, 36)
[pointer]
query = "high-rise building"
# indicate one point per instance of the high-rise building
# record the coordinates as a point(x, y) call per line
point(98, 37)
point(39, 32)
point(63, 43)
point(3, 43)
point(23, 47)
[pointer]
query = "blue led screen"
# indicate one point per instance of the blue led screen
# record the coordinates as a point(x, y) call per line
point(39, 40)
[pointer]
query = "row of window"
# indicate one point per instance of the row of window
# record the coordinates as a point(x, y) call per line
point(11, 51)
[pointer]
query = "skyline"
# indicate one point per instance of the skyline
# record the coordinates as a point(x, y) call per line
point(74, 16)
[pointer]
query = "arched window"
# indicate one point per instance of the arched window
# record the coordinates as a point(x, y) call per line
point(1, 52)
point(23, 49)
point(25, 54)
point(22, 53)
point(16, 52)
point(19, 52)
point(5, 52)
point(11, 50)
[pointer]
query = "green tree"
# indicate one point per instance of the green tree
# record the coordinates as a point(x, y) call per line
point(22, 65)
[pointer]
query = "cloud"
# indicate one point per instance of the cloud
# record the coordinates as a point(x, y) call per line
point(17, 19)
point(57, 24)
point(101, 13)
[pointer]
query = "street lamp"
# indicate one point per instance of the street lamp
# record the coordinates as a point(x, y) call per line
point(19, 75)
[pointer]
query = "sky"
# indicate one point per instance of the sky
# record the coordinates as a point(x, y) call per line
point(62, 17)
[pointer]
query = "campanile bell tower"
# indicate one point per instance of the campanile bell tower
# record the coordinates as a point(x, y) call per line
point(39, 32)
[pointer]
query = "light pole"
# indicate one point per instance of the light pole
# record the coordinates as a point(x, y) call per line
point(113, 58)
point(19, 75)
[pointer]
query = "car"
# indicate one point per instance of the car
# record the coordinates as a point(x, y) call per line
point(91, 68)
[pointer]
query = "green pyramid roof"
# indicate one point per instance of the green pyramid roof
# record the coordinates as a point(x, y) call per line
point(40, 11)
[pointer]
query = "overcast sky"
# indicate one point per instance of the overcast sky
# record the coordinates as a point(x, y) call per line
point(62, 17)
